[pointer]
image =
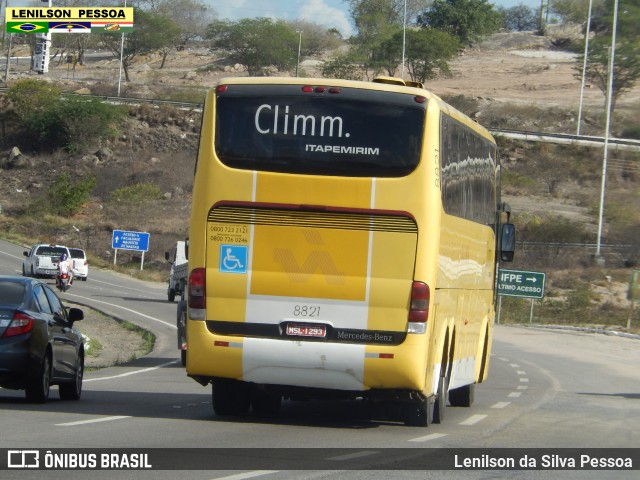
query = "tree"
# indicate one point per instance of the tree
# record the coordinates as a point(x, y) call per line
point(428, 53)
point(469, 20)
point(260, 44)
point(316, 39)
point(151, 33)
point(190, 15)
point(626, 69)
point(518, 18)
point(575, 11)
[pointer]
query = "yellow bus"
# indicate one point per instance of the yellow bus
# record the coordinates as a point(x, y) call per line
point(343, 245)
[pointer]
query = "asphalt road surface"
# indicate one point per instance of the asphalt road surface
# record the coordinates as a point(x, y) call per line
point(546, 390)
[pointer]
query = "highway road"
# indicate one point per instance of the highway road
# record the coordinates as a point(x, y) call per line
point(546, 390)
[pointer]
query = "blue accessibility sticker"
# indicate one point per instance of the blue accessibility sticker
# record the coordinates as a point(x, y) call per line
point(233, 258)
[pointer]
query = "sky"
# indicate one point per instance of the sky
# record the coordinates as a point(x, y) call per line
point(330, 13)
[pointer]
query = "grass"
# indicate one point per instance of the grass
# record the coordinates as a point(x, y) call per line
point(148, 337)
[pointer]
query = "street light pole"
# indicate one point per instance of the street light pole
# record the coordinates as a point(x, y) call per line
point(607, 127)
point(584, 65)
point(299, 48)
point(404, 36)
point(121, 52)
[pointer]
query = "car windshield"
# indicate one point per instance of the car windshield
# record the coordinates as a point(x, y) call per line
point(76, 253)
point(11, 293)
point(47, 251)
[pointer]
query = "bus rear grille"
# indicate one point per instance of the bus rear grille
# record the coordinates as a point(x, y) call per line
point(313, 219)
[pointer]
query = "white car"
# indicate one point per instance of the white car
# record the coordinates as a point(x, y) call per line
point(79, 263)
point(42, 260)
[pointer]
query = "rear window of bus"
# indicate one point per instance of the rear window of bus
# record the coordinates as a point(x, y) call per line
point(353, 132)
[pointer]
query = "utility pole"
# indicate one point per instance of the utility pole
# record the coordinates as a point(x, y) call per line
point(584, 65)
point(299, 49)
point(607, 128)
point(121, 53)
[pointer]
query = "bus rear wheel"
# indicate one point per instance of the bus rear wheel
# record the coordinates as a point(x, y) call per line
point(230, 397)
point(418, 414)
point(463, 396)
point(265, 403)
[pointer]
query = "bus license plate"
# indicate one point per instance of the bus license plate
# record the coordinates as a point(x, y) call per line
point(302, 330)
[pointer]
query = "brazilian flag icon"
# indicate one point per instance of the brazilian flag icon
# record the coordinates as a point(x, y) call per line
point(27, 27)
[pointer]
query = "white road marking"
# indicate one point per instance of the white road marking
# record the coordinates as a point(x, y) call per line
point(135, 372)
point(521, 372)
point(426, 438)
point(515, 394)
point(171, 325)
point(95, 420)
point(241, 476)
point(524, 379)
point(503, 359)
point(522, 387)
point(349, 456)
point(473, 419)
point(515, 365)
point(501, 404)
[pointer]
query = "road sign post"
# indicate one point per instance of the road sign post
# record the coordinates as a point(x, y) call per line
point(125, 240)
point(518, 283)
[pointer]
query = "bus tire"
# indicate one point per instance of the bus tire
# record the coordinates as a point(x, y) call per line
point(440, 401)
point(230, 397)
point(264, 403)
point(419, 414)
point(463, 396)
point(183, 357)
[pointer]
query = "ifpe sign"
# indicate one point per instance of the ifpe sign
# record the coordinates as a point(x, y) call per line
point(517, 283)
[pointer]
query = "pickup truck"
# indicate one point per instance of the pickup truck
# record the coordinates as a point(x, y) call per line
point(42, 260)
point(179, 270)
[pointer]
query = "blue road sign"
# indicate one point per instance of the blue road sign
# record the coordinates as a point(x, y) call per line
point(124, 240)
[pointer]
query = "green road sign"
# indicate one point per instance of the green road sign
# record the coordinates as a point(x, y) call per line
point(517, 283)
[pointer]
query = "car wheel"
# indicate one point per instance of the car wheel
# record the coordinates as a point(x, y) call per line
point(73, 390)
point(84, 279)
point(38, 386)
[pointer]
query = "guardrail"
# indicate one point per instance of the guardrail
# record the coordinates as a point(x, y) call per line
point(566, 138)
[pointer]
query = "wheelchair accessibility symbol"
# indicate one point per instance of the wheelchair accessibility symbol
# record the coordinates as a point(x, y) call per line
point(233, 258)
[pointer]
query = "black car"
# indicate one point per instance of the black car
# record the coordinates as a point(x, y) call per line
point(38, 345)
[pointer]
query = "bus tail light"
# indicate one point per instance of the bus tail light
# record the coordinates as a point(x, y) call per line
point(197, 294)
point(419, 307)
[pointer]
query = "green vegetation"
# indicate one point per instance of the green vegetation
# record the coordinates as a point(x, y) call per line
point(53, 121)
point(67, 196)
point(137, 194)
point(148, 337)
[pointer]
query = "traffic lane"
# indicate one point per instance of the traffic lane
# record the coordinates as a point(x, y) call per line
point(597, 388)
point(138, 302)
point(162, 407)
